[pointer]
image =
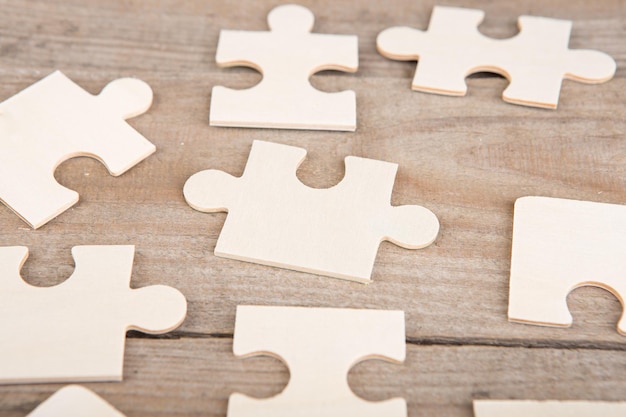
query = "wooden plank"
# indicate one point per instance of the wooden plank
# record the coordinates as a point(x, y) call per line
point(435, 380)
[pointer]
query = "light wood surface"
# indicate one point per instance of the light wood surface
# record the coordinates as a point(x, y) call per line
point(465, 158)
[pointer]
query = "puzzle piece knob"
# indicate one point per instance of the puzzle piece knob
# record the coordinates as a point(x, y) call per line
point(128, 97)
point(291, 18)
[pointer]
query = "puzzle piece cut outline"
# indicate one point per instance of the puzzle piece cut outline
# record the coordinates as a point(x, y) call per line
point(525, 408)
point(535, 61)
point(273, 219)
point(83, 321)
point(286, 56)
point(36, 137)
point(319, 346)
point(75, 401)
point(560, 245)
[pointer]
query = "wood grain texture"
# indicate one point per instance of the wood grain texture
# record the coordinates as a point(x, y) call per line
point(466, 159)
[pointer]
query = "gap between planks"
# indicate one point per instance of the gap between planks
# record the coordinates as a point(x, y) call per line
point(429, 341)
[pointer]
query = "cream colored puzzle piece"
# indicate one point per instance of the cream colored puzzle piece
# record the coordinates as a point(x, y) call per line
point(75, 401)
point(273, 219)
point(560, 245)
point(319, 345)
point(287, 56)
point(513, 408)
point(75, 331)
point(535, 61)
point(54, 120)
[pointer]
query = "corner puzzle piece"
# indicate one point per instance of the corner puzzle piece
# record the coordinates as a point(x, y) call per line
point(560, 245)
point(273, 219)
point(516, 408)
point(75, 401)
point(535, 61)
point(75, 331)
point(319, 345)
point(54, 120)
point(287, 56)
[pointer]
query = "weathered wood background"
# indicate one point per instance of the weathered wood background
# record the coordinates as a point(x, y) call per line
point(467, 159)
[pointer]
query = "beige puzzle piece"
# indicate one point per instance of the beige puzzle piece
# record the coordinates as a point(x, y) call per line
point(319, 345)
point(286, 56)
point(535, 61)
point(75, 331)
point(274, 219)
point(75, 401)
point(560, 245)
point(522, 408)
point(54, 120)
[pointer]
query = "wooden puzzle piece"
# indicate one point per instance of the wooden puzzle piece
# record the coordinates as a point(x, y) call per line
point(54, 120)
point(75, 331)
point(319, 345)
point(75, 401)
point(560, 245)
point(287, 56)
point(535, 61)
point(516, 408)
point(273, 219)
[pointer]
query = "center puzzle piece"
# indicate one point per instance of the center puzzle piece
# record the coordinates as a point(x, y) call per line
point(319, 345)
point(54, 120)
point(535, 61)
point(75, 331)
point(74, 401)
point(558, 246)
point(273, 219)
point(287, 56)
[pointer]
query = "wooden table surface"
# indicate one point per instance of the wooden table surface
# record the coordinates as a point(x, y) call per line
point(467, 159)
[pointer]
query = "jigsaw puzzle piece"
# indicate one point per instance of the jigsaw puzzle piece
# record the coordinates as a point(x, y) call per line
point(287, 56)
point(54, 120)
point(75, 331)
point(558, 246)
point(524, 408)
point(276, 220)
point(535, 61)
point(319, 345)
point(75, 401)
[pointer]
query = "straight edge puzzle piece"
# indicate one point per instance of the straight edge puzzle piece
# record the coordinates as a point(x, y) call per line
point(228, 107)
point(528, 408)
point(560, 245)
point(75, 401)
point(319, 346)
point(128, 97)
point(407, 226)
point(153, 309)
point(582, 65)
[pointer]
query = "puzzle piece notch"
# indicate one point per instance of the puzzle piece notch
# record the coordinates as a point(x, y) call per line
point(75, 401)
point(525, 408)
point(558, 246)
point(319, 345)
point(287, 56)
point(535, 61)
point(54, 120)
point(276, 220)
point(84, 319)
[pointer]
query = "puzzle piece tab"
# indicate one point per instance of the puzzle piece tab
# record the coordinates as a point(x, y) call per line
point(517, 408)
point(319, 345)
point(273, 219)
point(287, 56)
point(75, 401)
point(535, 61)
point(75, 331)
point(560, 245)
point(54, 120)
